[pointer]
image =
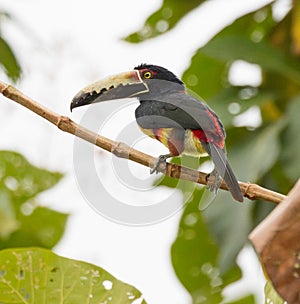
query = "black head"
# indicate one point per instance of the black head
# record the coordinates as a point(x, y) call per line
point(150, 71)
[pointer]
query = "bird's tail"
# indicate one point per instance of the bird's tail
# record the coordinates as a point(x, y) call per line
point(219, 158)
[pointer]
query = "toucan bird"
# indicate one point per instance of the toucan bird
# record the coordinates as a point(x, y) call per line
point(184, 124)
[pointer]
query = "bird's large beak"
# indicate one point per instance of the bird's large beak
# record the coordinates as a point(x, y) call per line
point(124, 85)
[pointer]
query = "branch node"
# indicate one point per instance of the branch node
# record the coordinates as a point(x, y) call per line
point(172, 170)
point(63, 121)
point(246, 194)
point(120, 149)
point(4, 89)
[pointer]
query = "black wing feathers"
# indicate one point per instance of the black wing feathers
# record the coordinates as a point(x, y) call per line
point(180, 109)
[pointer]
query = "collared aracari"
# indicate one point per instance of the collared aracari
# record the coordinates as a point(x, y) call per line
point(167, 113)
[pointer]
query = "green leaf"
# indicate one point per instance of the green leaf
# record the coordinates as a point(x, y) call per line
point(228, 48)
point(261, 149)
point(244, 39)
point(205, 75)
point(229, 223)
point(277, 178)
point(164, 19)
point(194, 255)
point(8, 222)
point(23, 222)
point(43, 228)
point(290, 156)
point(244, 98)
point(255, 25)
point(9, 61)
point(34, 275)
point(271, 296)
point(22, 181)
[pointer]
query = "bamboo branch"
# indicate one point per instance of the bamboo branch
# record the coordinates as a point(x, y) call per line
point(64, 123)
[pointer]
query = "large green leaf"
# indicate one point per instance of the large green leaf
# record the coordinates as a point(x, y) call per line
point(23, 222)
point(164, 19)
point(35, 275)
point(9, 61)
point(195, 256)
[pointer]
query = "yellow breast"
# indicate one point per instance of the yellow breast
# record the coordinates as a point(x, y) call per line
point(192, 145)
point(162, 134)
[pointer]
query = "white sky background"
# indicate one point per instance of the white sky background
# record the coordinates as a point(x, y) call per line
point(64, 45)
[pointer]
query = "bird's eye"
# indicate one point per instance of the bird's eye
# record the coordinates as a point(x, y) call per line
point(147, 75)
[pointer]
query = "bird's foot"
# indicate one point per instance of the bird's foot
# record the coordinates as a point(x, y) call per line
point(162, 159)
point(214, 181)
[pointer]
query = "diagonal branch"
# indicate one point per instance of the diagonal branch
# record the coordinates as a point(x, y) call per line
point(251, 191)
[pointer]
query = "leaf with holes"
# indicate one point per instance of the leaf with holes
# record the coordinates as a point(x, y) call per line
point(34, 275)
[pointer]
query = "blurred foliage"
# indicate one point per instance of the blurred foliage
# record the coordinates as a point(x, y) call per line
point(200, 272)
point(8, 60)
point(23, 222)
point(163, 19)
point(266, 152)
point(35, 275)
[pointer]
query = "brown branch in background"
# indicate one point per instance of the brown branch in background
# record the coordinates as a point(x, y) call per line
point(251, 191)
